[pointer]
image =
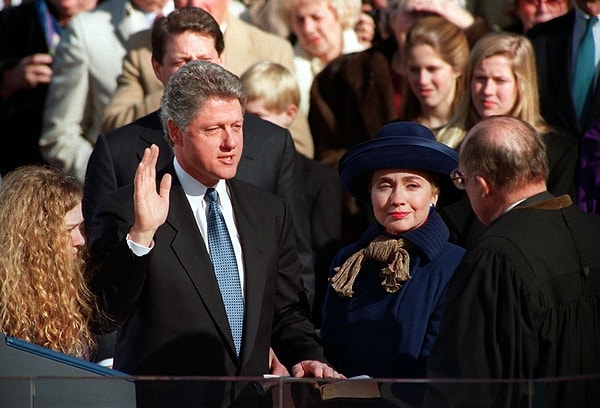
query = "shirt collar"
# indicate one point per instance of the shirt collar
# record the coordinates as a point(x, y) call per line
point(192, 187)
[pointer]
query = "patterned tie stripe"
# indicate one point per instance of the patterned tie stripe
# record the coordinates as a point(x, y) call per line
point(225, 266)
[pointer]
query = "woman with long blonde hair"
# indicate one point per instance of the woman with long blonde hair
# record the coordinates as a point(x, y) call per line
point(44, 295)
point(501, 79)
point(435, 56)
point(498, 61)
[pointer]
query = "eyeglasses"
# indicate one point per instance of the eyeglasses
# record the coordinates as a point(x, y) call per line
point(458, 178)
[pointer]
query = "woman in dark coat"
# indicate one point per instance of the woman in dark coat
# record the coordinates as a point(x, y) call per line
point(382, 310)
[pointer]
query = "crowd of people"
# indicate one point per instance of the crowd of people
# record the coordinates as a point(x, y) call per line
point(309, 188)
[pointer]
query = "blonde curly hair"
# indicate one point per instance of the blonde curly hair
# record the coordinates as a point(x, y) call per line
point(44, 295)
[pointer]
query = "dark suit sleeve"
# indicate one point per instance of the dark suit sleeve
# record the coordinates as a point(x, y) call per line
point(118, 275)
point(100, 178)
point(325, 197)
point(293, 337)
point(291, 187)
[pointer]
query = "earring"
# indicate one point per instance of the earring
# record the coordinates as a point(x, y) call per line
point(432, 206)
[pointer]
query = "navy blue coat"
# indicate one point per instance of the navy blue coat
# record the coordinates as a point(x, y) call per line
point(389, 335)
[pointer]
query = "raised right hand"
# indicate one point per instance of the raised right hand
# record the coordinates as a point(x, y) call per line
point(151, 207)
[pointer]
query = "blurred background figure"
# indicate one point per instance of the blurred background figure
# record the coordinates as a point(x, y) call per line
point(44, 294)
point(379, 10)
point(273, 94)
point(29, 34)
point(588, 170)
point(266, 14)
point(531, 12)
point(559, 39)
point(323, 30)
point(138, 91)
point(435, 57)
point(86, 65)
point(9, 3)
point(501, 79)
point(358, 93)
point(495, 12)
point(569, 91)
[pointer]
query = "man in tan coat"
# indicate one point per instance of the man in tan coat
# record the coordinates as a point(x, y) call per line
point(138, 92)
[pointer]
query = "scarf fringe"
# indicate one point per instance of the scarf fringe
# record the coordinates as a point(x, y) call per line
point(382, 249)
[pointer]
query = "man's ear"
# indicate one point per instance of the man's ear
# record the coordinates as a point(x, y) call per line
point(174, 132)
point(156, 67)
point(484, 186)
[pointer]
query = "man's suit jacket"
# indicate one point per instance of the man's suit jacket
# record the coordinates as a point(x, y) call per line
point(21, 34)
point(268, 161)
point(552, 42)
point(139, 91)
point(174, 321)
point(87, 63)
point(324, 193)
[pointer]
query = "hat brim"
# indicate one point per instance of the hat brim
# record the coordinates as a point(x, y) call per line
point(407, 152)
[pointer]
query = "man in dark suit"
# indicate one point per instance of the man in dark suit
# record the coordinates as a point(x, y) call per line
point(269, 158)
point(556, 43)
point(155, 267)
point(525, 301)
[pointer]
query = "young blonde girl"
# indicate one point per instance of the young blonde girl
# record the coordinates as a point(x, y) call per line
point(44, 296)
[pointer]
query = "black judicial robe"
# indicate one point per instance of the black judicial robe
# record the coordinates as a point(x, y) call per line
point(523, 304)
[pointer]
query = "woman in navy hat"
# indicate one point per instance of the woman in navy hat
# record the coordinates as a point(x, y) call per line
point(383, 307)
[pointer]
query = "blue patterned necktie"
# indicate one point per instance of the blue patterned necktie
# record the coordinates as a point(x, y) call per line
point(583, 75)
point(225, 266)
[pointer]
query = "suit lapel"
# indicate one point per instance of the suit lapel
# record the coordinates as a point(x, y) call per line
point(255, 265)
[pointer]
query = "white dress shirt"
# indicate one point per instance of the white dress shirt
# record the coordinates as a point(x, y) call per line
point(194, 191)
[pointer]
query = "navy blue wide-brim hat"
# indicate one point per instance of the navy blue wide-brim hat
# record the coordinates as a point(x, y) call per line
point(397, 145)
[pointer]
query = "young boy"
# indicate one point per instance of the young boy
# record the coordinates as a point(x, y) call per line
point(274, 95)
point(273, 92)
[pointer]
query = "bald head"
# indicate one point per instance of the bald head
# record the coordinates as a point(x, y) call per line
point(507, 151)
point(504, 160)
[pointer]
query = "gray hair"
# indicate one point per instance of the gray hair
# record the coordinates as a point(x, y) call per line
point(191, 86)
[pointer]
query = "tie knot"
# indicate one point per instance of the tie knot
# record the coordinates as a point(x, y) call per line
point(211, 195)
